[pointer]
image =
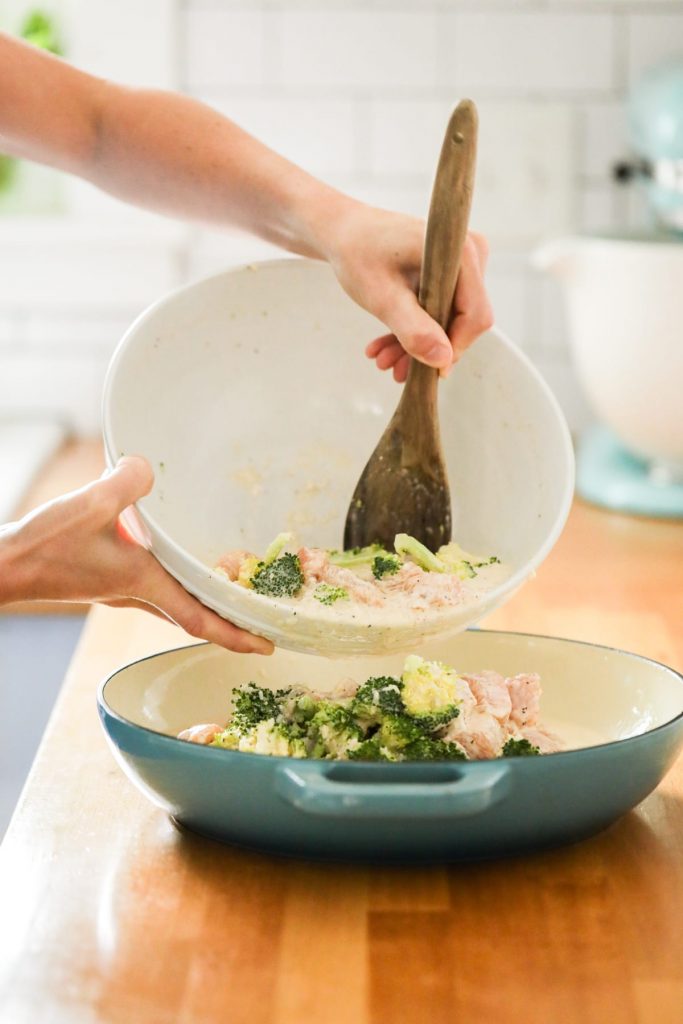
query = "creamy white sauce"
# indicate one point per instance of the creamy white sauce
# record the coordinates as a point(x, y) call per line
point(398, 606)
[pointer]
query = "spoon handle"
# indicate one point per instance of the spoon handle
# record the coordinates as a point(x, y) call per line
point(449, 212)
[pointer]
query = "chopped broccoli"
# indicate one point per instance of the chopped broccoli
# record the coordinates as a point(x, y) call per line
point(430, 693)
point(385, 565)
point(274, 738)
point(276, 547)
point(281, 578)
point(426, 748)
point(327, 594)
point(398, 731)
point(377, 697)
point(334, 730)
point(426, 559)
point(520, 748)
point(460, 562)
point(228, 739)
point(371, 750)
point(253, 704)
point(354, 558)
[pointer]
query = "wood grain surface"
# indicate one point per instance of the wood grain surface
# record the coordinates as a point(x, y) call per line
point(110, 914)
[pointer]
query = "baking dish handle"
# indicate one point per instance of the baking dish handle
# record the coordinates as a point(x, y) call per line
point(311, 790)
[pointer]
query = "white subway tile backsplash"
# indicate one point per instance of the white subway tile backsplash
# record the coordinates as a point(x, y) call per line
point(224, 47)
point(66, 388)
point(563, 380)
point(599, 207)
point(212, 251)
point(507, 281)
point(604, 137)
point(317, 133)
point(653, 38)
point(10, 330)
point(524, 52)
point(547, 317)
point(129, 41)
point(94, 333)
point(86, 277)
point(526, 166)
point(406, 136)
point(360, 49)
point(359, 94)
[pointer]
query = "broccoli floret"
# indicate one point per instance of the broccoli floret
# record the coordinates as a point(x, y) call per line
point(333, 731)
point(377, 697)
point(300, 708)
point(281, 578)
point(372, 750)
point(429, 692)
point(519, 748)
point(398, 731)
point(253, 704)
point(327, 594)
point(385, 565)
point(426, 559)
point(228, 739)
point(278, 739)
point(354, 558)
point(426, 748)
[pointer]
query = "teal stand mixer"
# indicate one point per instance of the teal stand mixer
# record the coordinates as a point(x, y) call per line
point(624, 297)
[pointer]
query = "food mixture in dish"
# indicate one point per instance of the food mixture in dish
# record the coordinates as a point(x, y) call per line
point(428, 713)
point(368, 582)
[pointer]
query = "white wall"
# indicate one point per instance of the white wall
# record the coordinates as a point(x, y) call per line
point(356, 91)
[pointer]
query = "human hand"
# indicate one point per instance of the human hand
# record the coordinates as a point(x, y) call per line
point(377, 257)
point(76, 549)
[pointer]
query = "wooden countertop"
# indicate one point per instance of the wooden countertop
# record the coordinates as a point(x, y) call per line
point(109, 914)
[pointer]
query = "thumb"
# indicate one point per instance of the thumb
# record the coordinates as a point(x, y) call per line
point(419, 335)
point(130, 479)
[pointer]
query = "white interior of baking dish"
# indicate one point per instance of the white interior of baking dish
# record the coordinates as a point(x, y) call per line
point(591, 694)
point(250, 395)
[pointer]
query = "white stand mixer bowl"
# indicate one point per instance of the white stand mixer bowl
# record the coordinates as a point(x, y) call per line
point(625, 309)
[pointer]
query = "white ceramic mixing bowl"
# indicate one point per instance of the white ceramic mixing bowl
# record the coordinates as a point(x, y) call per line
point(249, 394)
point(625, 308)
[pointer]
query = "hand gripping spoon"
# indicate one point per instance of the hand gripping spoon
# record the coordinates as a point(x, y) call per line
point(404, 486)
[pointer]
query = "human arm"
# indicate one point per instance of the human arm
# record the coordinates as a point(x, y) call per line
point(170, 153)
point(75, 549)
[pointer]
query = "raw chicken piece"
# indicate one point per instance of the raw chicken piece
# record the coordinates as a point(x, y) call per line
point(231, 562)
point(525, 694)
point(546, 741)
point(478, 733)
point(317, 567)
point(424, 589)
point(200, 733)
point(492, 693)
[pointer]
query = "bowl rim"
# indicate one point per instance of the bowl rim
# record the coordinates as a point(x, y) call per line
point(105, 709)
point(491, 599)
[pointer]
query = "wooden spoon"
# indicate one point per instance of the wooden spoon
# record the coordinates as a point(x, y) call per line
point(404, 486)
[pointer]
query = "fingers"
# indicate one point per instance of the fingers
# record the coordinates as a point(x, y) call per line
point(159, 589)
point(419, 335)
point(401, 368)
point(128, 481)
point(473, 314)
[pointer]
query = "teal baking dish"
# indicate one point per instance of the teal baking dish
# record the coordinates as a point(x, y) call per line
point(622, 713)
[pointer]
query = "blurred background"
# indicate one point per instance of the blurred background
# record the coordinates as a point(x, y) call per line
point(357, 92)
